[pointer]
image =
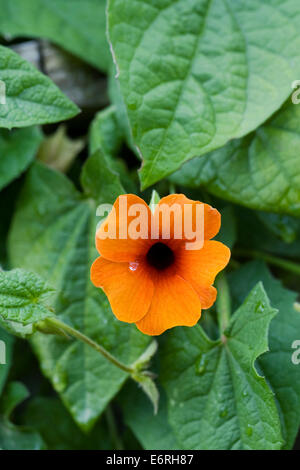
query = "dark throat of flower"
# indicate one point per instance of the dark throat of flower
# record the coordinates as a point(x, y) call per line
point(160, 256)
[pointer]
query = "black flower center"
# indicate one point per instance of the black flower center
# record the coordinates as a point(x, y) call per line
point(160, 256)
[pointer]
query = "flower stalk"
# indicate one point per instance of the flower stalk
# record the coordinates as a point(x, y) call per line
point(137, 370)
point(57, 324)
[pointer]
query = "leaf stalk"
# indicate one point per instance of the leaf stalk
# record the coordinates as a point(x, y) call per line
point(56, 323)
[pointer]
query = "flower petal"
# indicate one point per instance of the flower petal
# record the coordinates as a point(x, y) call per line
point(200, 267)
point(212, 218)
point(119, 245)
point(174, 303)
point(129, 292)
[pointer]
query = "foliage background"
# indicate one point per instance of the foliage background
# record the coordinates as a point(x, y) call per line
point(200, 90)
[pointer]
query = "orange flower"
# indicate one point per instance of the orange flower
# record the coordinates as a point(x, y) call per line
point(158, 282)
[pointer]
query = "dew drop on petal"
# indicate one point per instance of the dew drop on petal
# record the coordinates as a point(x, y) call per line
point(133, 266)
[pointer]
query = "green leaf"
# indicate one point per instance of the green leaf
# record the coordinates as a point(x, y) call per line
point(17, 149)
point(99, 180)
point(197, 73)
point(216, 398)
point(17, 329)
point(155, 198)
point(137, 411)
point(117, 100)
point(53, 232)
point(105, 132)
point(107, 135)
point(76, 25)
point(284, 227)
point(149, 387)
point(145, 378)
point(58, 429)
point(14, 437)
point(255, 232)
point(260, 171)
point(24, 297)
point(14, 394)
point(277, 365)
point(31, 97)
point(228, 231)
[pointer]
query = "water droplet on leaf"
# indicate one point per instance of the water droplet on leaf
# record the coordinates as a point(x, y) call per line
point(249, 430)
point(60, 381)
point(259, 307)
point(223, 412)
point(134, 101)
point(201, 365)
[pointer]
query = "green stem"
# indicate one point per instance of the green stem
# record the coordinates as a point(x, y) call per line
point(281, 263)
point(113, 430)
point(56, 323)
point(223, 302)
point(172, 188)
